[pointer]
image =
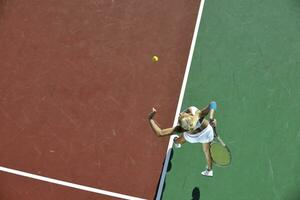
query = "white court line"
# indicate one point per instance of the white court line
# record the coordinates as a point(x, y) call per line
point(186, 74)
point(68, 184)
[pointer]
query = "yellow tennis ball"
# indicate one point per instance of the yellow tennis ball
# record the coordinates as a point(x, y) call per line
point(154, 58)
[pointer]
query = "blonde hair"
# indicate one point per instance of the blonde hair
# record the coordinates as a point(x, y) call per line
point(187, 122)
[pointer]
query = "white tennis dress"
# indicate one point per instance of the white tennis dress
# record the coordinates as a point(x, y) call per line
point(205, 136)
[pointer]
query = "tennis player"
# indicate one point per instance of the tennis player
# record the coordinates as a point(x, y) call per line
point(193, 127)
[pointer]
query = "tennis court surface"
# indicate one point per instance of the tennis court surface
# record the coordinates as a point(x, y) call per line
point(77, 83)
point(246, 58)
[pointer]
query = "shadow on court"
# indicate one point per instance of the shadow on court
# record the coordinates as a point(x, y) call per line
point(170, 161)
point(196, 194)
point(171, 152)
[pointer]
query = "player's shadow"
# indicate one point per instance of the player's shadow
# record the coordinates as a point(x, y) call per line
point(169, 153)
point(170, 161)
point(196, 194)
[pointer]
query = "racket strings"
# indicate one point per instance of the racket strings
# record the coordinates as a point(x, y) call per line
point(220, 154)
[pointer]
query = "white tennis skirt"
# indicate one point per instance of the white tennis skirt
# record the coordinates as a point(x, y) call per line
point(205, 136)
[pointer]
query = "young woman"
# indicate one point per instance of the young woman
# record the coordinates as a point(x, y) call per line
point(193, 127)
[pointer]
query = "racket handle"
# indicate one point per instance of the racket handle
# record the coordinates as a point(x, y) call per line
point(218, 138)
point(215, 131)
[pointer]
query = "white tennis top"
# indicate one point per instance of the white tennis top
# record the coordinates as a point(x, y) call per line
point(204, 136)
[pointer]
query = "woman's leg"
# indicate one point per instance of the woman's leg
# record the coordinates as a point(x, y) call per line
point(206, 150)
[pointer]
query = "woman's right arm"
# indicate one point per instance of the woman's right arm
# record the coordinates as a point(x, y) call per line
point(157, 130)
point(161, 132)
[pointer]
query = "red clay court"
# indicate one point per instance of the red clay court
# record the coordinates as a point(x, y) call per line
point(76, 85)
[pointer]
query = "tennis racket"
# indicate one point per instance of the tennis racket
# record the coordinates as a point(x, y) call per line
point(219, 151)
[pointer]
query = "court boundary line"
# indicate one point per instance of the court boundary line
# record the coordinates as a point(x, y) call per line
point(180, 100)
point(68, 184)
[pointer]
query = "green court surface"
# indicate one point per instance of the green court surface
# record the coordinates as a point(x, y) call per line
point(247, 59)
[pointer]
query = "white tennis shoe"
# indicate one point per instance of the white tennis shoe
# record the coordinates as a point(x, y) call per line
point(177, 146)
point(207, 172)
